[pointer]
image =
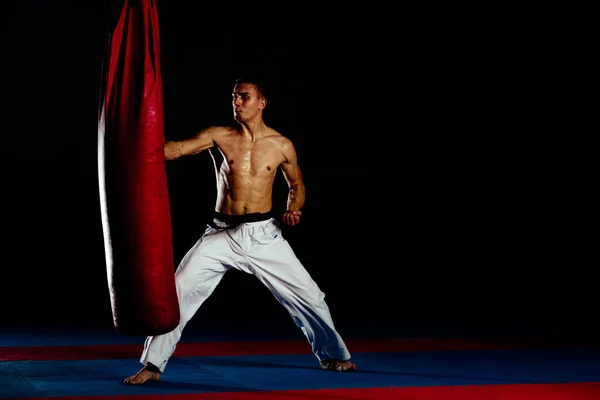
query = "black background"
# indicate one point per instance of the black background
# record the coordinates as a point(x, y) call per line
point(438, 188)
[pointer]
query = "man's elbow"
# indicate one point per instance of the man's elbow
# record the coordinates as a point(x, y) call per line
point(296, 185)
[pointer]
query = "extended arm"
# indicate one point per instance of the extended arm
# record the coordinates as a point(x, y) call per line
point(297, 193)
point(194, 145)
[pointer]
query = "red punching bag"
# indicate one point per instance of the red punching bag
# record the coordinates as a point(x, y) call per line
point(134, 200)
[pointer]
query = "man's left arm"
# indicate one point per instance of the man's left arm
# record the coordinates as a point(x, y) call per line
point(297, 192)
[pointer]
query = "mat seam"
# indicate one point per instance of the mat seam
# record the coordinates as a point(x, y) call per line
point(31, 384)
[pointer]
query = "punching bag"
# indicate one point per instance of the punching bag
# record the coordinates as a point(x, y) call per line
point(134, 200)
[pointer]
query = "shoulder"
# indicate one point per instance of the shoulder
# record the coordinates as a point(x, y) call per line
point(280, 141)
point(283, 144)
point(217, 131)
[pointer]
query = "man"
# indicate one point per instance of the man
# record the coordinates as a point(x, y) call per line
point(245, 235)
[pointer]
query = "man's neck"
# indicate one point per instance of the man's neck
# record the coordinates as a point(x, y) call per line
point(253, 129)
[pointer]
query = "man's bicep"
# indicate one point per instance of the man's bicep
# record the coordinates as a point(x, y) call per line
point(290, 166)
point(202, 141)
point(291, 171)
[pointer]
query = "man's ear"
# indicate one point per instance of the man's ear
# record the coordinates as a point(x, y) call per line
point(263, 102)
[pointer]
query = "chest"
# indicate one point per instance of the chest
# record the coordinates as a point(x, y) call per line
point(249, 158)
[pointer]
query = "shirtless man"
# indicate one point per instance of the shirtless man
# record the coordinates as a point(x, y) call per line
point(244, 234)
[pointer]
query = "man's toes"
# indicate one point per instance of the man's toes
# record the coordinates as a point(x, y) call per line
point(141, 377)
point(134, 380)
point(345, 366)
point(350, 367)
point(339, 366)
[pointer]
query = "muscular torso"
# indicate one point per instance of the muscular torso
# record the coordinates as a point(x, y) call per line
point(246, 174)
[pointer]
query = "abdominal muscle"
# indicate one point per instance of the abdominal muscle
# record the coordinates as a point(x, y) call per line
point(243, 193)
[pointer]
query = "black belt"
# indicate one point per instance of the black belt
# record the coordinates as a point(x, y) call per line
point(231, 221)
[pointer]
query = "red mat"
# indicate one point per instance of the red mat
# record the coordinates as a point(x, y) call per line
point(112, 351)
point(557, 391)
point(97, 352)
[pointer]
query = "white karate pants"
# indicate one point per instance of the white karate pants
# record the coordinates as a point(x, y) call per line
point(256, 248)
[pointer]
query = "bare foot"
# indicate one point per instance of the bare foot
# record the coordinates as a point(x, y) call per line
point(142, 376)
point(338, 365)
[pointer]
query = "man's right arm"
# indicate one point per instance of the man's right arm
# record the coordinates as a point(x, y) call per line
point(194, 145)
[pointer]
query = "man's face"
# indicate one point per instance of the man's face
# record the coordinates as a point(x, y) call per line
point(246, 102)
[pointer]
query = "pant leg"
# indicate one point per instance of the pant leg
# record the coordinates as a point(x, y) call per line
point(275, 264)
point(196, 277)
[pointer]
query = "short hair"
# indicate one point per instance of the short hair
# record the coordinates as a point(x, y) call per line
point(256, 80)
